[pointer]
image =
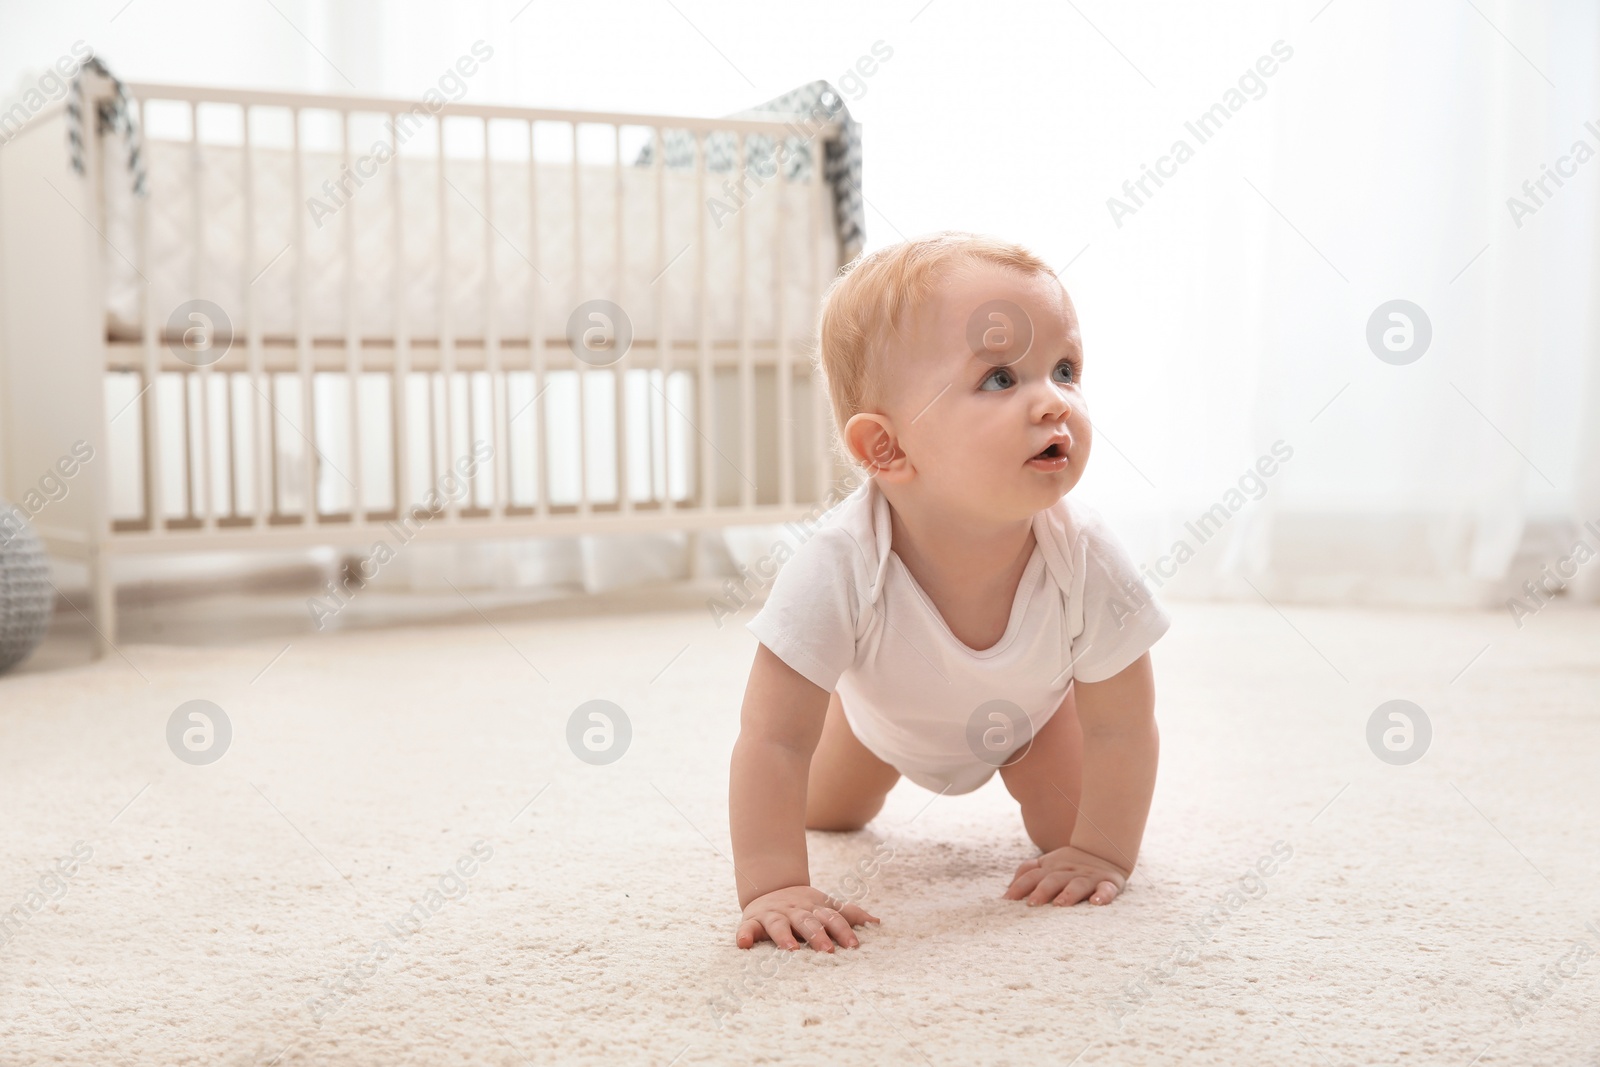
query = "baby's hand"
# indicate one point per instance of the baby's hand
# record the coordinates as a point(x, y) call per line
point(812, 912)
point(1069, 875)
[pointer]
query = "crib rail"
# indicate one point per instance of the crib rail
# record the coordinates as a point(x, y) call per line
point(298, 437)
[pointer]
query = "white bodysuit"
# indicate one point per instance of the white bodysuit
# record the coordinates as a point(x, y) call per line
point(846, 614)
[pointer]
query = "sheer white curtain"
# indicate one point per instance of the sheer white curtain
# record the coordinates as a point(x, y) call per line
point(1228, 312)
point(1385, 174)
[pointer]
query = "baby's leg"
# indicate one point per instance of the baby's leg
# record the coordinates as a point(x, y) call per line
point(847, 784)
point(1047, 779)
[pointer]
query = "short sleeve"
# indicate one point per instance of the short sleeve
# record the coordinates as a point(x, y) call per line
point(809, 618)
point(1121, 616)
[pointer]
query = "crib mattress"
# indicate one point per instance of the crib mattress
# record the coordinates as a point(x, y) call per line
point(426, 259)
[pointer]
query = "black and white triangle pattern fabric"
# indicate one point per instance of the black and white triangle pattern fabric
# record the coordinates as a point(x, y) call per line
point(812, 105)
point(114, 115)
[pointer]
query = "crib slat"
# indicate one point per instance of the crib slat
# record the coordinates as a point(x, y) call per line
point(198, 287)
point(705, 414)
point(578, 365)
point(302, 331)
point(537, 406)
point(747, 394)
point(400, 386)
point(231, 434)
point(231, 458)
point(154, 502)
point(233, 502)
point(352, 340)
point(619, 374)
point(260, 422)
point(444, 451)
point(780, 275)
point(188, 447)
point(663, 330)
point(491, 342)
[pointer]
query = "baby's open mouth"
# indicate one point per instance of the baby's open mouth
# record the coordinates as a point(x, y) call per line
point(1054, 456)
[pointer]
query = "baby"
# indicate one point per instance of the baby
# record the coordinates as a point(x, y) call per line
point(957, 614)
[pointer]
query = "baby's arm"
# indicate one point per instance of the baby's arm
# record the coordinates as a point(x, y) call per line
point(1120, 750)
point(779, 729)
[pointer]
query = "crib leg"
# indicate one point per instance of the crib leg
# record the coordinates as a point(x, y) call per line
point(103, 593)
point(696, 571)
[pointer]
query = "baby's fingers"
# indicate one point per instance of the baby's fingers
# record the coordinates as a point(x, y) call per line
point(1024, 884)
point(837, 925)
point(750, 932)
point(777, 928)
point(1052, 885)
point(856, 915)
point(812, 929)
point(1077, 889)
point(1104, 893)
point(1061, 888)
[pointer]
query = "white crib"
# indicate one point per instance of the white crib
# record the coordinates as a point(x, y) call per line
point(418, 312)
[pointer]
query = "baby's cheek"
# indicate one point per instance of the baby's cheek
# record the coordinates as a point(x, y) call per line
point(1082, 431)
point(967, 477)
point(1082, 414)
point(981, 463)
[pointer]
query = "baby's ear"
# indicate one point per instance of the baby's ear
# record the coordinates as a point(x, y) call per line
point(870, 438)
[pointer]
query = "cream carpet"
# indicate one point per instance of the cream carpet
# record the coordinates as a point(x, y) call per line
point(254, 910)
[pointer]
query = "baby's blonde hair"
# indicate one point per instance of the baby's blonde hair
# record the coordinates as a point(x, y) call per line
point(870, 300)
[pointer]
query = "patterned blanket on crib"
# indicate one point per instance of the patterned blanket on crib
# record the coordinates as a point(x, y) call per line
point(817, 101)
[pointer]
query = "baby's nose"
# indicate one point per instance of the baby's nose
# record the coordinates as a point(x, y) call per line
point(1056, 401)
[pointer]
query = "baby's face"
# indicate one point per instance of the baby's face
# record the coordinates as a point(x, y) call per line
point(989, 375)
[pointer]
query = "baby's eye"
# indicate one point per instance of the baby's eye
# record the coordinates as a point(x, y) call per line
point(984, 385)
point(1072, 372)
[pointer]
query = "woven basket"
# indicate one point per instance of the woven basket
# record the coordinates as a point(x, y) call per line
point(26, 598)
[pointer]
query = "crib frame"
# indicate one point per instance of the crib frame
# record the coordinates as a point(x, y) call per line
point(52, 301)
